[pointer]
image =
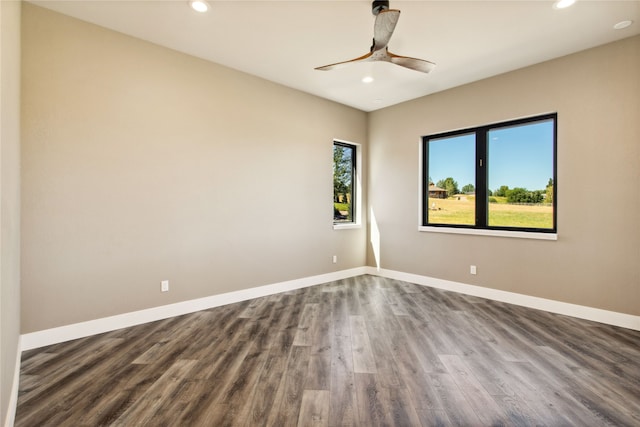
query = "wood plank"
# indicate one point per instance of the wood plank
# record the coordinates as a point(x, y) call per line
point(401, 410)
point(267, 387)
point(363, 359)
point(307, 325)
point(453, 401)
point(286, 405)
point(420, 345)
point(319, 373)
point(159, 393)
point(344, 406)
point(371, 410)
point(314, 409)
point(380, 337)
point(239, 393)
point(433, 418)
point(476, 396)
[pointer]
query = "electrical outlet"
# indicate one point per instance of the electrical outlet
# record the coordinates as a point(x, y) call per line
point(472, 269)
point(164, 286)
point(335, 259)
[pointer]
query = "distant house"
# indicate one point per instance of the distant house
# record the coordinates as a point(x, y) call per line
point(437, 192)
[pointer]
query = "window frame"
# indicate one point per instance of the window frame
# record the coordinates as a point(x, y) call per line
point(356, 178)
point(481, 226)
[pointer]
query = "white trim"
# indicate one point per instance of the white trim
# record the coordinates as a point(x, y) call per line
point(623, 320)
point(471, 231)
point(92, 327)
point(15, 387)
point(420, 183)
point(495, 233)
point(357, 223)
point(346, 226)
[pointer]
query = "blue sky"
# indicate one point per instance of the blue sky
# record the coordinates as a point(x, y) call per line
point(519, 156)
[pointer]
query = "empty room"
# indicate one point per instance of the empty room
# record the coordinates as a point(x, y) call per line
point(332, 213)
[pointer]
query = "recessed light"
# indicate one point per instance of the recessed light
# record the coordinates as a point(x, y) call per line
point(562, 4)
point(199, 5)
point(622, 25)
point(367, 79)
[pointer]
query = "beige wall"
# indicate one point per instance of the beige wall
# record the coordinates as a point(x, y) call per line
point(142, 164)
point(10, 205)
point(595, 260)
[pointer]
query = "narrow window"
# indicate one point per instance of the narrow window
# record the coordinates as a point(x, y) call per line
point(344, 179)
point(497, 177)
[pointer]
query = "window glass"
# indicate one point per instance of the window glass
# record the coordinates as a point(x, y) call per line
point(451, 180)
point(520, 175)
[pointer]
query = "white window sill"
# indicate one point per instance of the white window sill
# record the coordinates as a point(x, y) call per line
point(495, 233)
point(346, 226)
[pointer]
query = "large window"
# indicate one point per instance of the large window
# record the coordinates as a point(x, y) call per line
point(344, 180)
point(495, 177)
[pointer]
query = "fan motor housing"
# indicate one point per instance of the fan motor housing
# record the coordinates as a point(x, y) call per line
point(379, 5)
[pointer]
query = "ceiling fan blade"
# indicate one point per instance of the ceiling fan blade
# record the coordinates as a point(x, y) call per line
point(386, 21)
point(340, 64)
point(412, 63)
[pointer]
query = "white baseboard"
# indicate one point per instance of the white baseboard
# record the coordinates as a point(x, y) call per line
point(92, 327)
point(580, 311)
point(13, 399)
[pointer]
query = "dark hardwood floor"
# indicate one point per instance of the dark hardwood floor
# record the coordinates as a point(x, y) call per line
point(365, 351)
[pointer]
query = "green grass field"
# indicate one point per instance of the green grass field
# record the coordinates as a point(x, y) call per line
point(344, 209)
point(341, 206)
point(501, 214)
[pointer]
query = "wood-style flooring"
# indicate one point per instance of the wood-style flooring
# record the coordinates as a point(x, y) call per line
point(365, 351)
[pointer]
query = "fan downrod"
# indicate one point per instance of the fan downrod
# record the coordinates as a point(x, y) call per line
point(378, 6)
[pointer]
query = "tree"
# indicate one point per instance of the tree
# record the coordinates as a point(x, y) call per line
point(549, 192)
point(518, 195)
point(522, 195)
point(538, 196)
point(469, 188)
point(450, 185)
point(341, 172)
point(502, 191)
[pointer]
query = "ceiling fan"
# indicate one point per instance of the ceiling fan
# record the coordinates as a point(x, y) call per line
point(386, 20)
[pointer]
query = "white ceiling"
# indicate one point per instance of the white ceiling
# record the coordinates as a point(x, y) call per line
point(283, 41)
